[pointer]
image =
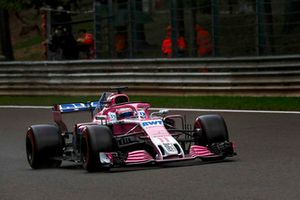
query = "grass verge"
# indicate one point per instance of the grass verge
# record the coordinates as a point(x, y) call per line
point(211, 102)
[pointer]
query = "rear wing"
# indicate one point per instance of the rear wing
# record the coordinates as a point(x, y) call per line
point(76, 107)
point(59, 109)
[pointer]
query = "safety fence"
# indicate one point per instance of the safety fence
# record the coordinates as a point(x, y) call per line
point(254, 76)
point(187, 28)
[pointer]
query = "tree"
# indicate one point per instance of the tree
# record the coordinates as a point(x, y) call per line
point(13, 6)
point(16, 7)
point(5, 35)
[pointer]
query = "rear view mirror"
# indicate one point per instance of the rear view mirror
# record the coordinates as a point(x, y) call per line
point(164, 111)
point(160, 112)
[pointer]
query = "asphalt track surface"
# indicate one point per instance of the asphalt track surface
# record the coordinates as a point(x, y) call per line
point(267, 165)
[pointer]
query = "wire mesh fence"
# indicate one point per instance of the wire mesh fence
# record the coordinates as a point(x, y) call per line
point(191, 28)
point(63, 30)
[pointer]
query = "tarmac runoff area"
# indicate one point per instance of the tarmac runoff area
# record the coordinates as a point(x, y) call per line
point(267, 165)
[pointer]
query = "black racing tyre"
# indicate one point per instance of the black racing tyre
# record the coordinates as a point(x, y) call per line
point(169, 123)
point(96, 139)
point(213, 130)
point(43, 146)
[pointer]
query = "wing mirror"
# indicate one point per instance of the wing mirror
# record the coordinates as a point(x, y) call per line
point(160, 112)
point(163, 112)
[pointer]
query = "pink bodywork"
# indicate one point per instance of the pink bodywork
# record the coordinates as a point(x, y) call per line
point(157, 131)
point(119, 129)
point(141, 156)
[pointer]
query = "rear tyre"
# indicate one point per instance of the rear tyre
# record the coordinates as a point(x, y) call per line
point(96, 139)
point(211, 129)
point(43, 146)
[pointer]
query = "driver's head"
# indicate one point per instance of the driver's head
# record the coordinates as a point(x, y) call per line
point(125, 113)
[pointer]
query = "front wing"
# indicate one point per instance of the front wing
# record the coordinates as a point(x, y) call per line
point(143, 157)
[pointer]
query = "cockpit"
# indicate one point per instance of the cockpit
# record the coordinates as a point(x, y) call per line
point(116, 99)
point(109, 99)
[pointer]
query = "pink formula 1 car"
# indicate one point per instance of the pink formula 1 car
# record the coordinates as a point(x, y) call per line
point(125, 133)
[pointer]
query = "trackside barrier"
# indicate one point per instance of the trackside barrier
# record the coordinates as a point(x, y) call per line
point(249, 76)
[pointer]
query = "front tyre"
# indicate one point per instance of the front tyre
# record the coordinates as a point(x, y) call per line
point(211, 131)
point(43, 146)
point(95, 139)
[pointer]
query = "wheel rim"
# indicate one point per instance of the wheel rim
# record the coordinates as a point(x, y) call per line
point(201, 139)
point(197, 124)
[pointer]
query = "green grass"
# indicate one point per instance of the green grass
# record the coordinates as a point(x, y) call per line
point(27, 42)
point(32, 56)
point(212, 102)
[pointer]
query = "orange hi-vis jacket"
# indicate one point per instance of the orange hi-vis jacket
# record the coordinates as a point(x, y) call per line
point(120, 42)
point(167, 45)
point(203, 41)
point(88, 39)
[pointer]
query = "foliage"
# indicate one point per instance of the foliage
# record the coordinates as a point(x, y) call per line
point(28, 42)
point(19, 5)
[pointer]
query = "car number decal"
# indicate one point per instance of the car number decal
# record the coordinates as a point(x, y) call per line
point(170, 147)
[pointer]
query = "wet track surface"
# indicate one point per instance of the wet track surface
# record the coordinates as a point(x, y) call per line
point(267, 165)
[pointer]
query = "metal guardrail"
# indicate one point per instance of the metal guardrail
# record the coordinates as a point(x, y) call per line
point(254, 76)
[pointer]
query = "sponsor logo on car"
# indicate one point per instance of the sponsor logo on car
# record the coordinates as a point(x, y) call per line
point(152, 123)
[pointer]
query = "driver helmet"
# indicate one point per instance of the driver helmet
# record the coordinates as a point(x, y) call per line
point(125, 113)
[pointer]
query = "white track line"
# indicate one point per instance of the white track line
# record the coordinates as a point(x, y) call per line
point(173, 109)
point(231, 111)
point(26, 107)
